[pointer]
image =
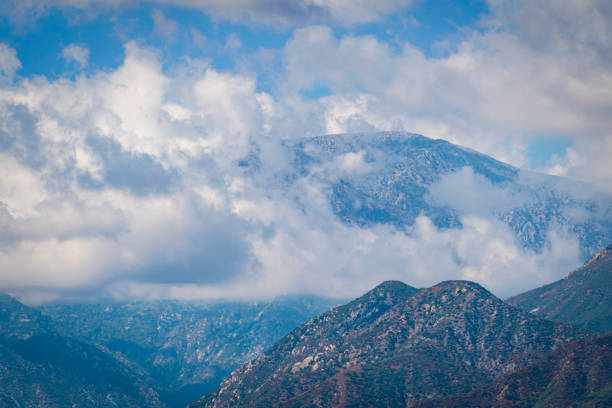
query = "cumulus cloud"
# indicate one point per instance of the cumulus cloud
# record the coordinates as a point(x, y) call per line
point(76, 53)
point(173, 183)
point(498, 89)
point(111, 162)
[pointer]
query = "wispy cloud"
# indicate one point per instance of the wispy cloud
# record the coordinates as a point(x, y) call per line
point(9, 64)
point(164, 26)
point(270, 12)
point(76, 53)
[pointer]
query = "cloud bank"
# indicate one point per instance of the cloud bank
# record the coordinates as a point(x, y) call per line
point(156, 181)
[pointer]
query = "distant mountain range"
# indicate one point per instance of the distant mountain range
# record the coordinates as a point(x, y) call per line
point(186, 348)
point(154, 354)
point(41, 368)
point(385, 177)
point(582, 298)
point(394, 345)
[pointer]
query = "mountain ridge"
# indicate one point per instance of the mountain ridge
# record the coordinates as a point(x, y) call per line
point(441, 340)
point(583, 297)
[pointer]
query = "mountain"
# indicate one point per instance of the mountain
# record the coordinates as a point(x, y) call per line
point(186, 348)
point(386, 177)
point(578, 374)
point(582, 298)
point(394, 345)
point(20, 321)
point(39, 367)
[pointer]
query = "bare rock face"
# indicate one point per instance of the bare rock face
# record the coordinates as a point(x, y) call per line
point(394, 345)
point(583, 298)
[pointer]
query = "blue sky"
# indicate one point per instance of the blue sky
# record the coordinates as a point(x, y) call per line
point(123, 125)
point(434, 27)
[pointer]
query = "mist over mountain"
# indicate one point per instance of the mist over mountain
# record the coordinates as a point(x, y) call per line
point(315, 215)
point(393, 177)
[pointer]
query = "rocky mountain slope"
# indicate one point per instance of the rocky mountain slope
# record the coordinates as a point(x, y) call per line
point(578, 374)
point(394, 345)
point(582, 298)
point(186, 348)
point(385, 177)
point(41, 368)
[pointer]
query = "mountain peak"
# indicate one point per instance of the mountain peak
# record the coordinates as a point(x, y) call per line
point(459, 287)
point(393, 287)
point(384, 349)
point(20, 321)
point(389, 292)
point(460, 284)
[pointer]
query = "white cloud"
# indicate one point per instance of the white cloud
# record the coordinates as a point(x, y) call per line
point(311, 251)
point(9, 64)
point(473, 195)
point(76, 53)
point(496, 91)
point(586, 160)
point(148, 166)
point(93, 151)
point(21, 190)
point(164, 26)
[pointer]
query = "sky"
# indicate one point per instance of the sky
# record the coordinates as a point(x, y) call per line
point(123, 123)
